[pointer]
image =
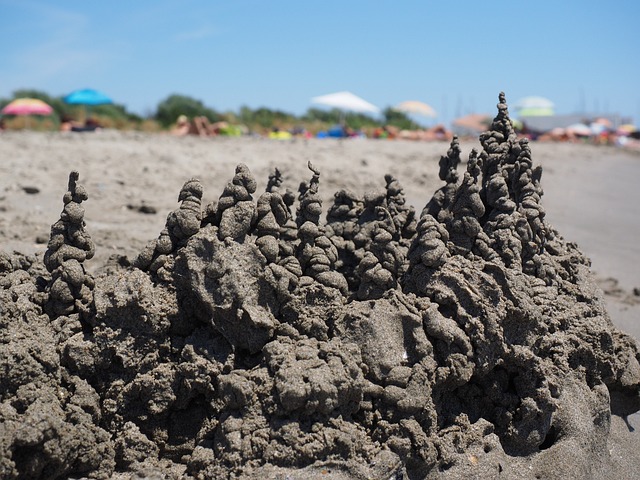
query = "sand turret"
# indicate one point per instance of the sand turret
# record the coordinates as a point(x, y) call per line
point(438, 206)
point(236, 210)
point(181, 224)
point(70, 287)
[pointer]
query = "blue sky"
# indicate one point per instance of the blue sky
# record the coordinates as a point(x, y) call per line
point(454, 55)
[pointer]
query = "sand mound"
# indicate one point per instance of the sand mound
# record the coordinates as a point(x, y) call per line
point(252, 339)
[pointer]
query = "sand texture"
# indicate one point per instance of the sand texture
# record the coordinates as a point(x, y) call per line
point(365, 309)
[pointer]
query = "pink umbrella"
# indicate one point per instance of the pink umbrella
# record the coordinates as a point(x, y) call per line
point(27, 106)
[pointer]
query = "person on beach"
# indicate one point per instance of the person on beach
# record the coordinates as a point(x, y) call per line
point(67, 124)
point(200, 125)
point(182, 127)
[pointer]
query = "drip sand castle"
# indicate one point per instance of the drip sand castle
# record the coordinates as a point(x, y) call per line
point(260, 337)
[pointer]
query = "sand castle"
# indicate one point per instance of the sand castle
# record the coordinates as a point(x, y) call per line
point(252, 339)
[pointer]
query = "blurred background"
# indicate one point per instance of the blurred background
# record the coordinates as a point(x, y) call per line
point(258, 66)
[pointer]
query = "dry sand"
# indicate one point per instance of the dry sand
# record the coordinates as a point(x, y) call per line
point(133, 181)
point(591, 193)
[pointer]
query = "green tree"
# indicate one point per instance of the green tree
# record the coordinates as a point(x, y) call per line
point(325, 116)
point(360, 121)
point(245, 115)
point(334, 116)
point(399, 119)
point(265, 118)
point(115, 111)
point(175, 105)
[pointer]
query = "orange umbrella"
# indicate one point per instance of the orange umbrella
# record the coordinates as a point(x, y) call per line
point(416, 107)
point(627, 128)
point(478, 122)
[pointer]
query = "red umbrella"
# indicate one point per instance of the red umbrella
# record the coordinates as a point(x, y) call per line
point(27, 106)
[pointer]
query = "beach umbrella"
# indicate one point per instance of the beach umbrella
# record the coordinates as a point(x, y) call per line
point(534, 107)
point(345, 102)
point(626, 129)
point(475, 122)
point(417, 108)
point(88, 98)
point(26, 107)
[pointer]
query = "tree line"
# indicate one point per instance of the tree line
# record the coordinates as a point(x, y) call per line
point(168, 110)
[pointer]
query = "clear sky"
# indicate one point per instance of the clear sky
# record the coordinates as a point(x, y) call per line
point(454, 55)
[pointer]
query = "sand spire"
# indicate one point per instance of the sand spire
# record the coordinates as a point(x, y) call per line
point(70, 287)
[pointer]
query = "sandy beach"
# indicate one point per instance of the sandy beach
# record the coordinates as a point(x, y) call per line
point(590, 192)
point(134, 180)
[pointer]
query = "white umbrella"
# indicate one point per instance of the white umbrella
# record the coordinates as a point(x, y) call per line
point(346, 101)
